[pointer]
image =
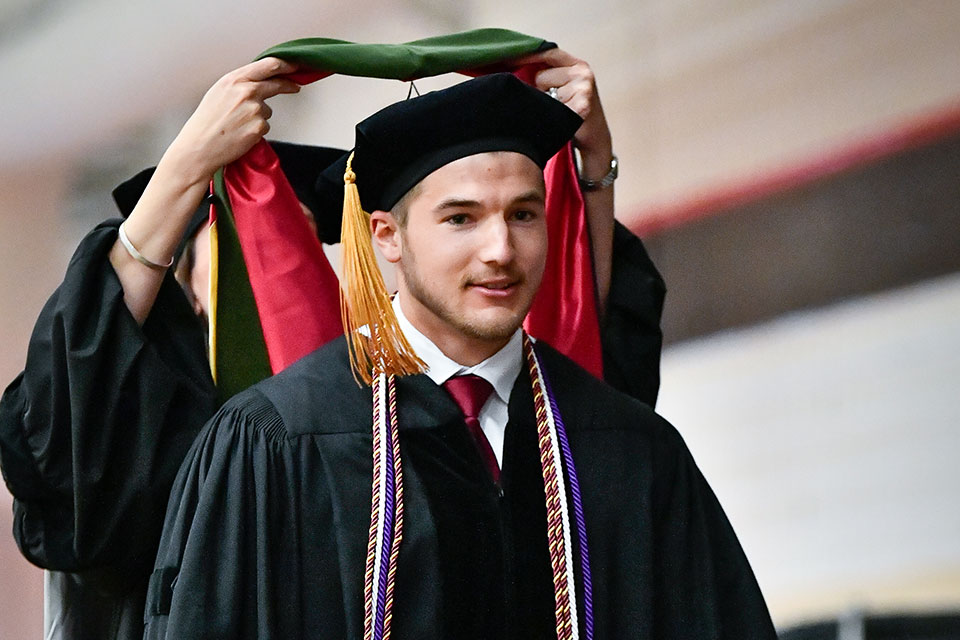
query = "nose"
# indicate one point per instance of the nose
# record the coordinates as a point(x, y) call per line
point(496, 242)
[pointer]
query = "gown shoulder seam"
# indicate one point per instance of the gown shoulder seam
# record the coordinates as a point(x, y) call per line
point(261, 414)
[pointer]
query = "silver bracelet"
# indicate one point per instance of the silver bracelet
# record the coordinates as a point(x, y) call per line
point(602, 183)
point(136, 255)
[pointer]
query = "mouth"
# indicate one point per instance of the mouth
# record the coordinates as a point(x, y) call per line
point(496, 287)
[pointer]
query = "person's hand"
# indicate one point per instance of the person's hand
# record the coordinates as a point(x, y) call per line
point(232, 117)
point(576, 87)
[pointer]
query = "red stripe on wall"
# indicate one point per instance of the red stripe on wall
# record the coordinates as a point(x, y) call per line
point(913, 134)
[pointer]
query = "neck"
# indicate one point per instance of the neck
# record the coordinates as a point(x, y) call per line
point(466, 352)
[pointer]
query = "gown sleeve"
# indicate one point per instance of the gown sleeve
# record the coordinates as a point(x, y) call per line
point(229, 562)
point(94, 429)
point(703, 584)
point(631, 334)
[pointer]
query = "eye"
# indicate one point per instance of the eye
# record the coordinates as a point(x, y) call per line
point(457, 219)
point(524, 215)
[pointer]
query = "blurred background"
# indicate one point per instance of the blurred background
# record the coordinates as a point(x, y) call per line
point(792, 165)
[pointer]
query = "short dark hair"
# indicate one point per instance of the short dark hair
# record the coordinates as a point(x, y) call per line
point(402, 208)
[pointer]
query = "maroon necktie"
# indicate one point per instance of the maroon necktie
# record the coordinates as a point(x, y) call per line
point(470, 392)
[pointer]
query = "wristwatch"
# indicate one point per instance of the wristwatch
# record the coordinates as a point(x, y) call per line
point(602, 183)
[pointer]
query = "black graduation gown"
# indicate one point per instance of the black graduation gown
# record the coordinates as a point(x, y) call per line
point(630, 333)
point(266, 530)
point(94, 429)
point(92, 434)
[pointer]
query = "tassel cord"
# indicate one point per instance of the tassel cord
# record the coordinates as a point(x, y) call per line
point(376, 343)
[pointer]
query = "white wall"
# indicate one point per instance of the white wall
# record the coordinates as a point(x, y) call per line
point(832, 438)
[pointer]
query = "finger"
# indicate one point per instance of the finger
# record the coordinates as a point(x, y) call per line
point(551, 57)
point(266, 68)
point(556, 77)
point(564, 93)
point(578, 103)
point(256, 129)
point(268, 88)
point(575, 100)
point(265, 111)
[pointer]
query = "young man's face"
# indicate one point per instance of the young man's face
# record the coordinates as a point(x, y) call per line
point(471, 253)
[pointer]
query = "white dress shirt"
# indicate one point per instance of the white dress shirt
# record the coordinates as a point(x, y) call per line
point(500, 370)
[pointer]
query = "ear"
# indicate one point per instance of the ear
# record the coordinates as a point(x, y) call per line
point(386, 235)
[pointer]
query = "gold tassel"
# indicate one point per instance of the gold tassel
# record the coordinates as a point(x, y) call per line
point(375, 342)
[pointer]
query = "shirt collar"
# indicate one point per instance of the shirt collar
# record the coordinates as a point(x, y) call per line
point(500, 370)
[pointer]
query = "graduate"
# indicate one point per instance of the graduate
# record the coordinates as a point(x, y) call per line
point(437, 473)
point(117, 385)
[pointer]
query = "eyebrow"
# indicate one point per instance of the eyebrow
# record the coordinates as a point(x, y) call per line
point(531, 196)
point(456, 203)
point(466, 203)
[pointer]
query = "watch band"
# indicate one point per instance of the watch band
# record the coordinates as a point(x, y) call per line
point(604, 182)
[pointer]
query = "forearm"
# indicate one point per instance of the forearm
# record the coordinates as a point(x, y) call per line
point(155, 227)
point(571, 81)
point(230, 119)
point(598, 208)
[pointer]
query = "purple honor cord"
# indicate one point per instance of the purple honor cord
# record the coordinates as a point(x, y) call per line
point(388, 527)
point(577, 509)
